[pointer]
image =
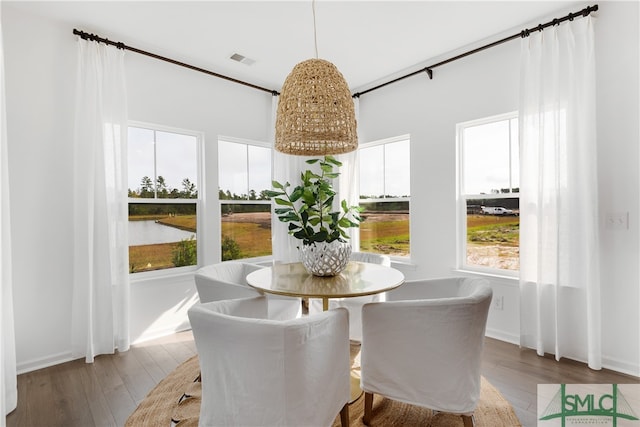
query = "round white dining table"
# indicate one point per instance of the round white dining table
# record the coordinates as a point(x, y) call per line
point(356, 280)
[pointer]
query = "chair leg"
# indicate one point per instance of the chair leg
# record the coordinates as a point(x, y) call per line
point(344, 416)
point(468, 421)
point(368, 408)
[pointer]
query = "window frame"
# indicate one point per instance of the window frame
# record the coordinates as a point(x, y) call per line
point(461, 197)
point(199, 136)
point(222, 202)
point(385, 141)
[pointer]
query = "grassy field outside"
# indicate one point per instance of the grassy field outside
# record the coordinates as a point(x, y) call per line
point(158, 256)
point(252, 232)
point(254, 240)
point(380, 233)
point(151, 257)
point(493, 229)
point(146, 217)
point(493, 241)
point(385, 237)
point(183, 222)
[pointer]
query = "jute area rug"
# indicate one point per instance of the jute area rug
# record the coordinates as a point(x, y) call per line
point(175, 401)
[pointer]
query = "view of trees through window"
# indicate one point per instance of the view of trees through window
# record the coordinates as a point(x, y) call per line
point(163, 196)
point(162, 193)
point(244, 174)
point(489, 156)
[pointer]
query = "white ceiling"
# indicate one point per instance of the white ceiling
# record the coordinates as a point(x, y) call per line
point(366, 40)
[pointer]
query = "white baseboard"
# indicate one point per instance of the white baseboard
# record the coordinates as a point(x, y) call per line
point(621, 366)
point(56, 359)
point(159, 333)
point(503, 336)
point(43, 362)
point(613, 364)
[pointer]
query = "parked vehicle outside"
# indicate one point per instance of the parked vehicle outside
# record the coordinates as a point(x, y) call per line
point(497, 210)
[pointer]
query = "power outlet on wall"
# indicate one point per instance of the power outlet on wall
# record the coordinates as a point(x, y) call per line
point(616, 220)
point(498, 302)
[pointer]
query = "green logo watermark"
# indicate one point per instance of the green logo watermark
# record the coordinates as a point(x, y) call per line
point(588, 404)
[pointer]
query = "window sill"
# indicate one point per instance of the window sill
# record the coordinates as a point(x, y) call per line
point(403, 263)
point(511, 280)
point(167, 274)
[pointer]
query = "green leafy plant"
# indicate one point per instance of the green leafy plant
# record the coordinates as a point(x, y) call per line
point(230, 249)
point(308, 207)
point(185, 253)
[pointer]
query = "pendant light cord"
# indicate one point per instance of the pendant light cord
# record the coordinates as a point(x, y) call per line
point(315, 35)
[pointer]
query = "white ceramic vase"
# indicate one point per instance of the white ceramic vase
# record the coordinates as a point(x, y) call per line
point(325, 259)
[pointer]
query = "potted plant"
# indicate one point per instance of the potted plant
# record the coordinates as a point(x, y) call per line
point(308, 208)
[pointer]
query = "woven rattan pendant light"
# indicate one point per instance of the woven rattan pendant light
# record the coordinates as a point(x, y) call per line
point(316, 114)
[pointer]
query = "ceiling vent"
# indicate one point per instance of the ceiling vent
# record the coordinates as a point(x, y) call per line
point(242, 59)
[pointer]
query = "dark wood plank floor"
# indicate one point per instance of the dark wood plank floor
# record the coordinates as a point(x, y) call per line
point(517, 372)
point(106, 392)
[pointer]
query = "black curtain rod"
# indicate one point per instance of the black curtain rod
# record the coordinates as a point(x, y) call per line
point(522, 34)
point(428, 70)
point(120, 45)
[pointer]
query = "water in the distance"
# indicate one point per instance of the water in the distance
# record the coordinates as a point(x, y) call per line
point(151, 232)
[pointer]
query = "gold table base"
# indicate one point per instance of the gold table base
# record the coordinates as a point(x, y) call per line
point(356, 391)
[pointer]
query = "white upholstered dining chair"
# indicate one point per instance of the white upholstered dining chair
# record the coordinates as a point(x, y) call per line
point(423, 346)
point(260, 372)
point(354, 305)
point(227, 280)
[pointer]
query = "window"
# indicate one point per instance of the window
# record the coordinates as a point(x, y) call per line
point(163, 198)
point(384, 196)
point(244, 173)
point(489, 200)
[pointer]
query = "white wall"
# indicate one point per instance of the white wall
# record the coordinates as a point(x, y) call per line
point(40, 58)
point(618, 60)
point(40, 93)
point(40, 77)
point(486, 84)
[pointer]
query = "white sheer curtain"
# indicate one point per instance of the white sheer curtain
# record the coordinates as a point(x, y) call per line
point(101, 281)
point(559, 273)
point(348, 185)
point(8, 379)
point(287, 168)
